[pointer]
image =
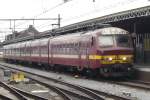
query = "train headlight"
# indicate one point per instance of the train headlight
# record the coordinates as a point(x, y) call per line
point(110, 59)
point(124, 58)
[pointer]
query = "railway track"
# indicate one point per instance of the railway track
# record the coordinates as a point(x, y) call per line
point(69, 90)
point(13, 91)
point(2, 97)
point(129, 83)
point(134, 83)
point(19, 94)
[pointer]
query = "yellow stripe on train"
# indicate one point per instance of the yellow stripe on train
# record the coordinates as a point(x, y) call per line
point(94, 57)
point(114, 57)
point(116, 61)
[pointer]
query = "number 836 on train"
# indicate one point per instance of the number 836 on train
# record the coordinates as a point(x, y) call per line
point(106, 51)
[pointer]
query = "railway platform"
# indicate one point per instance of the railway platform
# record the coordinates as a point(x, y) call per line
point(143, 72)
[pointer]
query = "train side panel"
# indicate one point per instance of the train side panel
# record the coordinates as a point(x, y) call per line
point(35, 51)
point(64, 51)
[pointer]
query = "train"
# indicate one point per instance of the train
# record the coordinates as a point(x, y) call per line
point(106, 52)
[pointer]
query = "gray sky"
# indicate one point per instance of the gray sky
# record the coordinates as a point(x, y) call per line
point(70, 12)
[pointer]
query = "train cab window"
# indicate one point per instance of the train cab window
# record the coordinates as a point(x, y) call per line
point(123, 40)
point(120, 40)
point(106, 40)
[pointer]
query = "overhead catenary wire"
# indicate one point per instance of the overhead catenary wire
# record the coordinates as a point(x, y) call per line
point(46, 11)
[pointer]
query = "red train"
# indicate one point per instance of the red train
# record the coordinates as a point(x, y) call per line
point(105, 51)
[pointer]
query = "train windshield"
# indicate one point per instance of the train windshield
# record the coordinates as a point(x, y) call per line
point(120, 40)
point(123, 40)
point(106, 40)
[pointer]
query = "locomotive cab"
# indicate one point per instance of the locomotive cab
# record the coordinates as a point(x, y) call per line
point(114, 45)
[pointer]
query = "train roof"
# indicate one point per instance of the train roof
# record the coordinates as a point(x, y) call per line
point(75, 36)
point(103, 31)
point(111, 30)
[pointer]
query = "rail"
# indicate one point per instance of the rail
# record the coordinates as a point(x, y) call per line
point(13, 91)
point(92, 94)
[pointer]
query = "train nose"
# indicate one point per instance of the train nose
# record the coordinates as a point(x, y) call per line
point(113, 59)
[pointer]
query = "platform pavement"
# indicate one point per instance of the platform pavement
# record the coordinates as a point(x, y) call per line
point(142, 67)
point(143, 72)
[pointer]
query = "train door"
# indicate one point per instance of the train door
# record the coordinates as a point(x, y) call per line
point(50, 53)
point(84, 51)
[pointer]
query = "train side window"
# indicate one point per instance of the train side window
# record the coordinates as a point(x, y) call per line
point(59, 49)
point(55, 48)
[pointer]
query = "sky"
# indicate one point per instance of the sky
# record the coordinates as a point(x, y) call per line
point(71, 12)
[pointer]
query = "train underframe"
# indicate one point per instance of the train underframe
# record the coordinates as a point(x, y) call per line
point(117, 70)
point(110, 70)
